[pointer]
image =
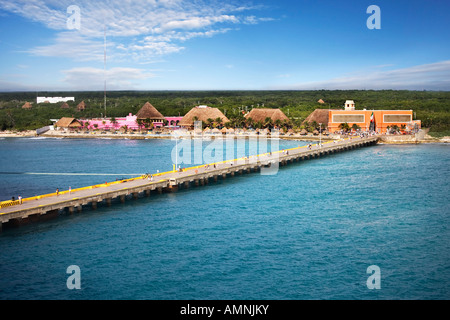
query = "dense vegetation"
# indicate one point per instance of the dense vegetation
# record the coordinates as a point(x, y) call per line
point(432, 107)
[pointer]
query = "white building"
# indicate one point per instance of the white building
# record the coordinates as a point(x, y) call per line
point(54, 99)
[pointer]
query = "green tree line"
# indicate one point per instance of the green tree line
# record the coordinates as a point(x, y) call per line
point(432, 107)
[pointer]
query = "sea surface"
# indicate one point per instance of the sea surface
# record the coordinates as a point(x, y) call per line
point(311, 231)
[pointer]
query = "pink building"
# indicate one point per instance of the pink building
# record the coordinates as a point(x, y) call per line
point(129, 121)
point(148, 116)
point(173, 121)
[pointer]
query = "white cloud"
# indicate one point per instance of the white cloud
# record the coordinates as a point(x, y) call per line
point(255, 20)
point(433, 76)
point(71, 44)
point(131, 25)
point(116, 78)
point(197, 22)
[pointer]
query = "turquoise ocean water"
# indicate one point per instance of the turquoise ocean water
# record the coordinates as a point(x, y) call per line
point(308, 232)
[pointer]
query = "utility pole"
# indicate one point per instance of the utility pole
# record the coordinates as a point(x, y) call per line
point(104, 63)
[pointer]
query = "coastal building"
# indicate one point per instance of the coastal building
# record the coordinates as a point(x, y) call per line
point(148, 117)
point(202, 113)
point(54, 99)
point(260, 115)
point(173, 121)
point(148, 113)
point(129, 122)
point(68, 123)
point(373, 120)
point(367, 120)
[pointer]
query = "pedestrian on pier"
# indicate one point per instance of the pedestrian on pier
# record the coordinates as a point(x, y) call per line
point(57, 192)
point(20, 199)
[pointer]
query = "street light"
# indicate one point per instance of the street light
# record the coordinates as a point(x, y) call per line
point(320, 135)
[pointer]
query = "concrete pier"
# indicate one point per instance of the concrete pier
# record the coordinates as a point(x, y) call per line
point(42, 208)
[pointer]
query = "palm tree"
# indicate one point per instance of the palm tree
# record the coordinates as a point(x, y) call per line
point(395, 128)
point(218, 121)
point(114, 122)
point(147, 122)
point(250, 122)
point(139, 124)
point(209, 121)
point(268, 122)
point(278, 123)
point(344, 126)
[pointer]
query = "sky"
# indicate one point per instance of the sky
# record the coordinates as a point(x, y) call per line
point(59, 45)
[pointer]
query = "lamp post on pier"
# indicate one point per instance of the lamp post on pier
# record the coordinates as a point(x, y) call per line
point(320, 135)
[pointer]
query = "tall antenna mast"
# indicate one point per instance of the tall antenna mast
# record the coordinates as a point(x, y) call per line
point(104, 62)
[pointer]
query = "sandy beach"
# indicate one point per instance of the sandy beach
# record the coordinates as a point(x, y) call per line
point(21, 134)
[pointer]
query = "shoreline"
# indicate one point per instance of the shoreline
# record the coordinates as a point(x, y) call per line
point(383, 139)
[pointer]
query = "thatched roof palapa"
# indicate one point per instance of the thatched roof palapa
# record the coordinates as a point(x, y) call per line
point(68, 123)
point(202, 114)
point(319, 116)
point(260, 115)
point(148, 111)
point(27, 105)
point(81, 106)
point(65, 106)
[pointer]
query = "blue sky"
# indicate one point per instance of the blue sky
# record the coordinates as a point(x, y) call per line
point(224, 45)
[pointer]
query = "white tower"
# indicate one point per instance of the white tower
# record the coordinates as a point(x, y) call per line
point(349, 105)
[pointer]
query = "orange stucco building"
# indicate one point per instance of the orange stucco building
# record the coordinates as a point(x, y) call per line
point(376, 120)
